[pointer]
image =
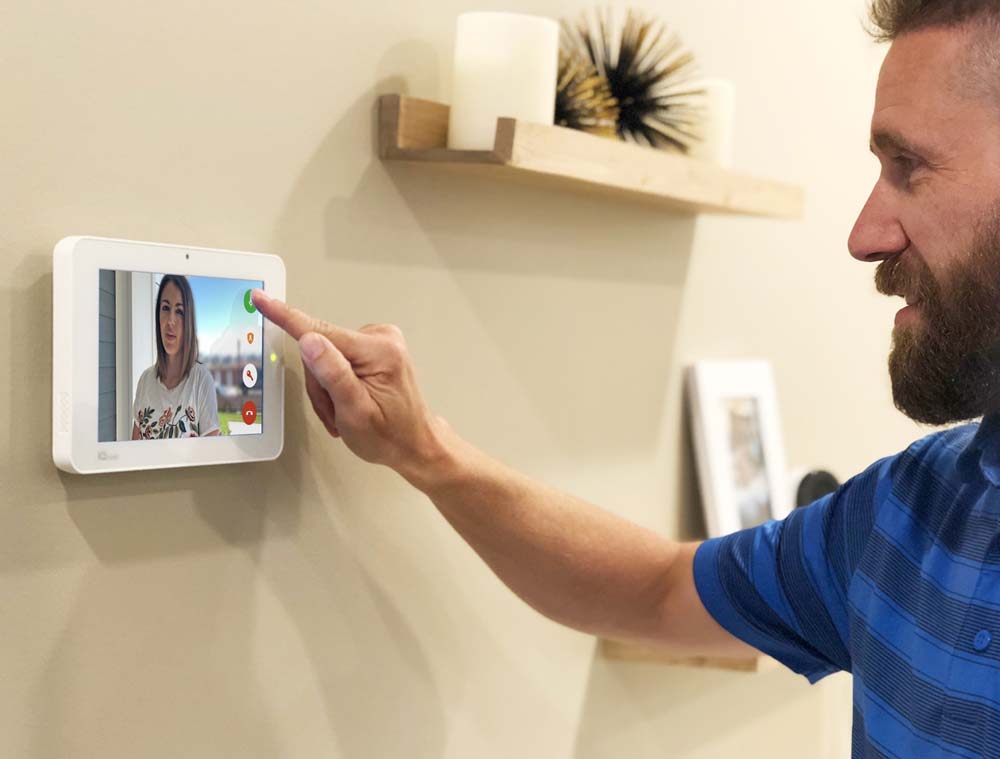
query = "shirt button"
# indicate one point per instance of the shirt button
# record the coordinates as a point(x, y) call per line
point(982, 640)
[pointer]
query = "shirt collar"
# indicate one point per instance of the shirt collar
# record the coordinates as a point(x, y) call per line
point(983, 451)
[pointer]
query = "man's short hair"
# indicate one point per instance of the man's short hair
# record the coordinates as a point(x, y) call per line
point(980, 78)
point(891, 18)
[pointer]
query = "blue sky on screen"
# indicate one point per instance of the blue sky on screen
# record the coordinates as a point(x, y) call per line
point(222, 319)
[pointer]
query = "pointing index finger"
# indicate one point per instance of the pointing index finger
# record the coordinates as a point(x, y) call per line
point(297, 323)
point(280, 314)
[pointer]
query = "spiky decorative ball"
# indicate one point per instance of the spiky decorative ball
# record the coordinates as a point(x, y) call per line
point(650, 72)
point(583, 97)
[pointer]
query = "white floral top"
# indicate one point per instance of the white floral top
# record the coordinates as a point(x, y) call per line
point(188, 410)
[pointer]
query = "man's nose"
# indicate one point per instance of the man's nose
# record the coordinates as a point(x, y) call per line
point(877, 233)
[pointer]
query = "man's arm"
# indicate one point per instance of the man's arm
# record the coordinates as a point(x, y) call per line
point(568, 559)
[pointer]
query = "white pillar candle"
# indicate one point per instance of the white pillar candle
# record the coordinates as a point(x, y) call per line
point(719, 104)
point(506, 64)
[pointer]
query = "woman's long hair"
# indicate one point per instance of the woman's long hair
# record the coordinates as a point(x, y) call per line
point(189, 348)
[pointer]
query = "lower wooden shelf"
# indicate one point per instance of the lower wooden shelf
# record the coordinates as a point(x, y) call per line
point(614, 649)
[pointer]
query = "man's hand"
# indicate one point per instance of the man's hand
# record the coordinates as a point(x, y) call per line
point(362, 386)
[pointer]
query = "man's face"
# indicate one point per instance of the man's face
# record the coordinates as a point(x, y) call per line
point(933, 220)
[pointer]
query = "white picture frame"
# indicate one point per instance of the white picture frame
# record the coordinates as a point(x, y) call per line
point(738, 448)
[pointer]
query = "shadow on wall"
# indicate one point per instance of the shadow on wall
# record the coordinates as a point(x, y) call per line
point(690, 521)
point(356, 639)
point(555, 280)
point(639, 709)
point(128, 617)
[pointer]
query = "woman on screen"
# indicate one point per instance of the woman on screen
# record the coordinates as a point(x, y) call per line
point(175, 397)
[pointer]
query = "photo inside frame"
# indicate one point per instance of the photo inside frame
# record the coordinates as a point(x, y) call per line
point(748, 466)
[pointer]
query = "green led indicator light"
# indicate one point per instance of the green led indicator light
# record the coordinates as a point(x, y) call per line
point(274, 358)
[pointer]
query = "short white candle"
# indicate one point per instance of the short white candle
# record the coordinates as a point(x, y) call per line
point(719, 105)
point(506, 64)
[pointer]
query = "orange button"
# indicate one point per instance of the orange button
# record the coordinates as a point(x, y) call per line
point(249, 412)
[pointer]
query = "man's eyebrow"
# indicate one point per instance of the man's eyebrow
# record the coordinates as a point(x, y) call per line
point(887, 140)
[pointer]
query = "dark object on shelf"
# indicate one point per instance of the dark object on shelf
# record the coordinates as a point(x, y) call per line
point(583, 97)
point(813, 485)
point(650, 74)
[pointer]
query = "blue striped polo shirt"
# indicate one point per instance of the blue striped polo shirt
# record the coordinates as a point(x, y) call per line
point(895, 578)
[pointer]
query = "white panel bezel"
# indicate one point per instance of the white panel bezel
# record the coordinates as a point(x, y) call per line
point(76, 262)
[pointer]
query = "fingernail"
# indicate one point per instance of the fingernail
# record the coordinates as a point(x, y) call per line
point(259, 296)
point(311, 346)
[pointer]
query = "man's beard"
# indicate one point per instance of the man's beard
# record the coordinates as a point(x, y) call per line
point(945, 366)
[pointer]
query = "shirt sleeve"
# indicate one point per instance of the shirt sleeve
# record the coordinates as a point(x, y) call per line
point(208, 404)
point(782, 586)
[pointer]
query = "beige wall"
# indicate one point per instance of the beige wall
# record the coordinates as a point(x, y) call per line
point(315, 606)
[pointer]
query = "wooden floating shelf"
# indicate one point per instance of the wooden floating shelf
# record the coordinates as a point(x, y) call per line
point(614, 649)
point(417, 130)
